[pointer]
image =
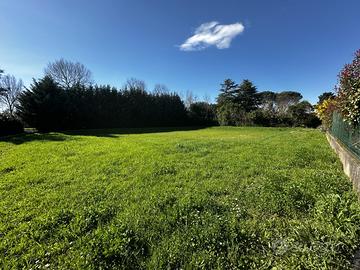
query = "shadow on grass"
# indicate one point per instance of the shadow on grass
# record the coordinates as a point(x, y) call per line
point(24, 138)
point(114, 132)
point(106, 133)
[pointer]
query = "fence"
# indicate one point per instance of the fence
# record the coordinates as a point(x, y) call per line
point(347, 134)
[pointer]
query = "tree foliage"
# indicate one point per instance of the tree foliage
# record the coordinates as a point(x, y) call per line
point(243, 105)
point(267, 101)
point(286, 99)
point(235, 101)
point(43, 105)
point(326, 95)
point(303, 114)
point(227, 92)
point(65, 98)
point(246, 96)
point(202, 113)
point(325, 110)
point(348, 91)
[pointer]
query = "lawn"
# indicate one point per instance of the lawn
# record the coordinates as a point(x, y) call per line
point(214, 198)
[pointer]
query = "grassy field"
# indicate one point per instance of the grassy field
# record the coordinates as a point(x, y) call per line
point(215, 198)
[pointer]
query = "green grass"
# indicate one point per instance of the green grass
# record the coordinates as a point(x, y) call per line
point(219, 198)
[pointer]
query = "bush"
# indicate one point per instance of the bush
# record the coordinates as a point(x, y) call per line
point(271, 119)
point(303, 115)
point(312, 121)
point(349, 91)
point(231, 114)
point(10, 126)
point(325, 110)
point(202, 113)
point(265, 118)
point(225, 113)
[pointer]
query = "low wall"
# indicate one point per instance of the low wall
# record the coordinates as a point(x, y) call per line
point(351, 164)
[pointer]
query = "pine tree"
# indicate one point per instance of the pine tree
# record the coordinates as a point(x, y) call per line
point(246, 96)
point(227, 90)
point(43, 106)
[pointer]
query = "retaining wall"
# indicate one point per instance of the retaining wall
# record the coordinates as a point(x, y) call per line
point(351, 164)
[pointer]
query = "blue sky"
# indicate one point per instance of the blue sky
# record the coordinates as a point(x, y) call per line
point(278, 44)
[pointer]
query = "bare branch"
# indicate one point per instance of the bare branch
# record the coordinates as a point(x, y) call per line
point(207, 98)
point(68, 74)
point(160, 89)
point(10, 89)
point(190, 98)
point(135, 84)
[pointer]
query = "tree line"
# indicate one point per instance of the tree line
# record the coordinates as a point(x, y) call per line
point(242, 104)
point(66, 98)
point(48, 106)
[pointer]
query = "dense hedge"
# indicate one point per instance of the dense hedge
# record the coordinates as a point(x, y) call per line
point(10, 126)
point(47, 107)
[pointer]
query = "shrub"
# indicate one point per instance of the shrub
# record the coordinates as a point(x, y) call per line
point(325, 111)
point(312, 121)
point(202, 113)
point(10, 126)
point(348, 91)
point(234, 115)
point(226, 113)
point(263, 118)
point(303, 115)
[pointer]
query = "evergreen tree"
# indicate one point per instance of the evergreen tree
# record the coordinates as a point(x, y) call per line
point(225, 101)
point(227, 91)
point(324, 96)
point(43, 105)
point(46, 106)
point(246, 96)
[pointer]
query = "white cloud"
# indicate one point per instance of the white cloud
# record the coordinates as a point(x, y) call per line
point(212, 33)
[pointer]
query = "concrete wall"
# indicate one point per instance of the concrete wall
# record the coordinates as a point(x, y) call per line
point(351, 164)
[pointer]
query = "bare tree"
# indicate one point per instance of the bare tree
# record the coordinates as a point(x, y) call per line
point(207, 98)
point(190, 98)
point(135, 84)
point(10, 89)
point(161, 89)
point(68, 74)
